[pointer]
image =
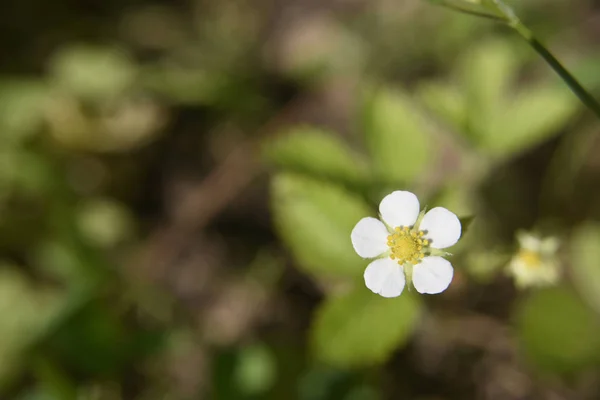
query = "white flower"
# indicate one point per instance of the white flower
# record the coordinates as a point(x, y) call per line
point(535, 264)
point(407, 244)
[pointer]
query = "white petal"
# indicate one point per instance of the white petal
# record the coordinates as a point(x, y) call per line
point(369, 238)
point(432, 275)
point(549, 245)
point(529, 242)
point(385, 277)
point(399, 208)
point(442, 227)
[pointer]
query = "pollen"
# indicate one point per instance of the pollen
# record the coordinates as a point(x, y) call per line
point(407, 245)
point(530, 258)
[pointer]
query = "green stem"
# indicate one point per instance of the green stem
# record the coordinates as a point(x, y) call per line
point(561, 168)
point(513, 21)
point(470, 11)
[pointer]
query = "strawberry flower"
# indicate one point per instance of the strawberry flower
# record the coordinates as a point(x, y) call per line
point(406, 244)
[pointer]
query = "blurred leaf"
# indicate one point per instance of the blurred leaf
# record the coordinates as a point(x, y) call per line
point(361, 328)
point(26, 312)
point(502, 123)
point(317, 152)
point(532, 117)
point(290, 353)
point(115, 126)
point(93, 72)
point(54, 380)
point(483, 266)
point(59, 260)
point(315, 220)
point(363, 393)
point(21, 108)
point(457, 197)
point(25, 171)
point(322, 383)
point(91, 341)
point(223, 367)
point(184, 85)
point(94, 339)
point(586, 71)
point(104, 222)
point(558, 331)
point(487, 72)
point(255, 372)
point(447, 102)
point(466, 222)
point(37, 394)
point(585, 263)
point(397, 136)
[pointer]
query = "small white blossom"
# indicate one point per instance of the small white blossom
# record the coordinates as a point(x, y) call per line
point(407, 245)
point(535, 264)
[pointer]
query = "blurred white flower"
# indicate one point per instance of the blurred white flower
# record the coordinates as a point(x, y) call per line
point(535, 263)
point(407, 245)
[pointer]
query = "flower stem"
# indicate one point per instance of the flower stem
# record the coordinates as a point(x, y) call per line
point(500, 11)
point(514, 22)
point(469, 11)
point(561, 168)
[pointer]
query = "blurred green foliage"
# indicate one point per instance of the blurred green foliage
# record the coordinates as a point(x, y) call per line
point(558, 331)
point(110, 118)
point(92, 73)
point(585, 254)
point(495, 117)
point(396, 136)
point(312, 151)
point(314, 219)
point(359, 328)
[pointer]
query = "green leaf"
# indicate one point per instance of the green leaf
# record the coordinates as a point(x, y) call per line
point(558, 331)
point(466, 222)
point(185, 85)
point(26, 312)
point(585, 257)
point(96, 73)
point(364, 392)
point(316, 152)
point(21, 108)
point(586, 71)
point(322, 382)
point(38, 393)
point(487, 72)
point(53, 379)
point(397, 136)
point(457, 197)
point(361, 328)
point(447, 101)
point(532, 117)
point(315, 220)
point(95, 341)
point(104, 222)
point(26, 171)
point(255, 372)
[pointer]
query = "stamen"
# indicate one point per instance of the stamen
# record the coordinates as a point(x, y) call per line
point(407, 245)
point(530, 258)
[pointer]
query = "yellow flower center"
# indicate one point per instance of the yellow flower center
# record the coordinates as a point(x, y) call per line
point(407, 246)
point(530, 258)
